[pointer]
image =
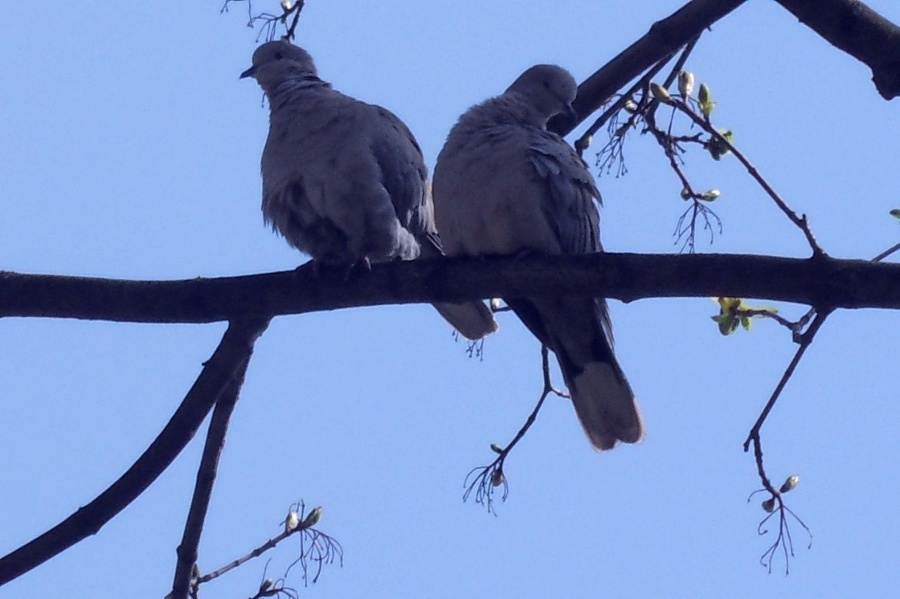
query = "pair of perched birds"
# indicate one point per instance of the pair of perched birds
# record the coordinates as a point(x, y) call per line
point(345, 181)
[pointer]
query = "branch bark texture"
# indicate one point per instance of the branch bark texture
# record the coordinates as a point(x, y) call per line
point(206, 476)
point(823, 282)
point(853, 27)
point(848, 25)
point(663, 39)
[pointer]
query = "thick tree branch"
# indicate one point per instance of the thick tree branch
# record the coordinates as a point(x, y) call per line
point(853, 27)
point(823, 282)
point(229, 358)
point(663, 39)
point(848, 25)
point(206, 476)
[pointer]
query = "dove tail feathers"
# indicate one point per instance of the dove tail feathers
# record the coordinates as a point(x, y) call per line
point(604, 403)
point(576, 330)
point(473, 320)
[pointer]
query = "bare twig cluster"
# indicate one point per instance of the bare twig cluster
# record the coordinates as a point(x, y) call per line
point(784, 540)
point(483, 481)
point(316, 550)
point(269, 23)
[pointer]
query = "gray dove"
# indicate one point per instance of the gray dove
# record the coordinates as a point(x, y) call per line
point(345, 181)
point(504, 184)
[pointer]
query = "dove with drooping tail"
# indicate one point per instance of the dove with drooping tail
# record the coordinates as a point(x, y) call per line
point(345, 181)
point(505, 185)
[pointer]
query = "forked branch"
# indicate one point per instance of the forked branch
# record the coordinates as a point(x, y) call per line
point(217, 374)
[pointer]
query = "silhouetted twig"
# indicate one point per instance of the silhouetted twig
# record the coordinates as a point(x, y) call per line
point(798, 219)
point(805, 339)
point(484, 480)
point(775, 505)
point(886, 253)
point(269, 22)
point(783, 539)
point(315, 546)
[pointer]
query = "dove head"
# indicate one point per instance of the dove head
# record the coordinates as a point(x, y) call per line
point(548, 89)
point(279, 61)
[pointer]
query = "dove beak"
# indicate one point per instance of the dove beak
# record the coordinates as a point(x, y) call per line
point(249, 72)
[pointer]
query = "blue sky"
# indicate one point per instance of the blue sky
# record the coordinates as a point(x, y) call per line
point(131, 150)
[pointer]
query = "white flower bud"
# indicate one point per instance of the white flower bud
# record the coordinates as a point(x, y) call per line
point(789, 483)
point(685, 83)
point(292, 521)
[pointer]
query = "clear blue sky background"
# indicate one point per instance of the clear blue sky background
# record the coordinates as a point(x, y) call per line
point(131, 149)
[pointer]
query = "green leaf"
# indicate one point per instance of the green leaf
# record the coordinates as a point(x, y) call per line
point(312, 518)
point(727, 323)
point(716, 146)
point(895, 213)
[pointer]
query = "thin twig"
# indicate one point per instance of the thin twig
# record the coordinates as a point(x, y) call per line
point(649, 113)
point(296, 8)
point(270, 22)
point(776, 505)
point(886, 253)
point(698, 208)
point(686, 226)
point(584, 142)
point(768, 313)
point(321, 547)
point(682, 60)
point(799, 220)
point(776, 501)
point(485, 479)
point(804, 341)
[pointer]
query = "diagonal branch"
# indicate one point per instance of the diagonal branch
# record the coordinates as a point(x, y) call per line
point(805, 340)
point(663, 39)
point(849, 25)
point(206, 475)
point(798, 219)
point(853, 27)
point(485, 479)
point(218, 373)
